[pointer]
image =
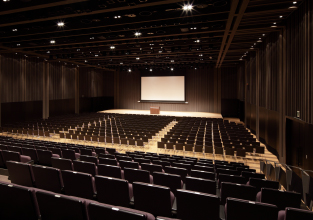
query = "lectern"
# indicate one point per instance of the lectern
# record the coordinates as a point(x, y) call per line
point(154, 110)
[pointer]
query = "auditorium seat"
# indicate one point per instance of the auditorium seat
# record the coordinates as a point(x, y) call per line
point(142, 160)
point(14, 156)
point(262, 183)
point(182, 172)
point(238, 209)
point(295, 214)
point(151, 167)
point(172, 181)
point(201, 185)
point(48, 178)
point(62, 163)
point(204, 168)
point(111, 171)
point(108, 161)
point(155, 199)
point(240, 169)
point(202, 174)
point(91, 159)
point(88, 152)
point(230, 179)
point(281, 199)
point(55, 206)
point(97, 211)
point(99, 150)
point(44, 157)
point(129, 164)
point(17, 202)
point(239, 191)
point(110, 156)
point(136, 175)
point(123, 157)
point(113, 191)
point(78, 184)
point(85, 167)
point(2, 164)
point(248, 175)
point(194, 205)
point(21, 173)
point(70, 154)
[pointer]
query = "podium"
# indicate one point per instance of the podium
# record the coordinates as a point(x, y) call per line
point(154, 110)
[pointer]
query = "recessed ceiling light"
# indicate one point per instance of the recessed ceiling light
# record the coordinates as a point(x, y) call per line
point(281, 16)
point(137, 58)
point(86, 61)
point(172, 69)
point(6, 0)
point(151, 70)
point(96, 55)
point(14, 29)
point(150, 33)
point(200, 55)
point(112, 47)
point(52, 42)
point(187, 7)
point(137, 34)
point(172, 61)
point(129, 70)
point(92, 38)
point(48, 51)
point(294, 3)
point(197, 41)
point(118, 16)
point(18, 45)
point(121, 63)
point(60, 24)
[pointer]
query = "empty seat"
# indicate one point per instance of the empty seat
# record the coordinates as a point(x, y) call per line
point(248, 175)
point(129, 164)
point(70, 154)
point(172, 181)
point(78, 184)
point(178, 171)
point(238, 209)
point(230, 179)
point(135, 175)
point(194, 205)
point(48, 178)
point(202, 174)
point(14, 156)
point(111, 171)
point(155, 199)
point(204, 168)
point(62, 163)
point(98, 211)
point(54, 206)
point(2, 164)
point(142, 160)
point(88, 152)
point(91, 159)
point(85, 167)
point(281, 199)
point(295, 214)
point(124, 158)
point(113, 191)
point(44, 157)
point(17, 202)
point(201, 185)
point(108, 161)
point(110, 156)
point(32, 153)
point(240, 169)
point(151, 167)
point(227, 171)
point(21, 173)
point(262, 183)
point(238, 191)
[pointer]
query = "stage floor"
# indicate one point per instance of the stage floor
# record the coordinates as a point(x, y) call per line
point(168, 113)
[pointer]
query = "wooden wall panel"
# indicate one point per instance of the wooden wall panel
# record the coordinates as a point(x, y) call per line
point(21, 78)
point(96, 83)
point(199, 91)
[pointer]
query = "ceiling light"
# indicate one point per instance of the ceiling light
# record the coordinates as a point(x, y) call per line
point(197, 41)
point(96, 55)
point(92, 38)
point(78, 49)
point(121, 63)
point(48, 51)
point(137, 34)
point(274, 23)
point(60, 24)
point(187, 7)
point(263, 35)
point(14, 29)
point(86, 61)
point(294, 3)
point(117, 16)
point(129, 70)
point(281, 16)
point(52, 42)
point(172, 61)
point(137, 58)
point(112, 47)
point(172, 69)
point(18, 45)
point(200, 55)
point(151, 44)
point(151, 70)
point(240, 59)
point(6, 0)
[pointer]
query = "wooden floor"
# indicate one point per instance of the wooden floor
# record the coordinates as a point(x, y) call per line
point(164, 113)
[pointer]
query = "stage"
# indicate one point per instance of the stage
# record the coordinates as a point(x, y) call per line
point(165, 113)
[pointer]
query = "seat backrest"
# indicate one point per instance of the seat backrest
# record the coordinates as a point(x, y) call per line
point(10, 156)
point(2, 164)
point(69, 154)
point(135, 175)
point(230, 179)
point(201, 185)
point(15, 149)
point(141, 160)
point(91, 159)
point(111, 171)
point(247, 175)
point(56, 206)
point(31, 152)
point(202, 174)
point(238, 191)
point(100, 150)
point(20, 173)
point(183, 165)
point(154, 199)
point(97, 211)
point(113, 191)
point(296, 214)
point(48, 178)
point(178, 171)
point(194, 205)
point(85, 167)
point(172, 181)
point(108, 161)
point(44, 157)
point(129, 164)
point(240, 169)
point(17, 202)
point(227, 171)
point(281, 199)
point(62, 163)
point(204, 168)
point(262, 183)
point(151, 167)
point(78, 184)
point(125, 158)
point(238, 209)
point(84, 151)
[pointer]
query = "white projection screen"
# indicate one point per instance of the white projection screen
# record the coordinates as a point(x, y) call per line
point(163, 88)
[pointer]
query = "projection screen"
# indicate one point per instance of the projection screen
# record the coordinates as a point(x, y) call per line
point(163, 88)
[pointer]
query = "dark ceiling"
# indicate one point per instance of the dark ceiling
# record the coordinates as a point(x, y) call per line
point(214, 32)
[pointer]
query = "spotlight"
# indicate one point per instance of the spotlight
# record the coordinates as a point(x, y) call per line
point(14, 29)
point(172, 69)
point(112, 47)
point(60, 24)
point(172, 61)
point(151, 70)
point(52, 42)
point(137, 34)
point(129, 70)
point(137, 58)
point(187, 7)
